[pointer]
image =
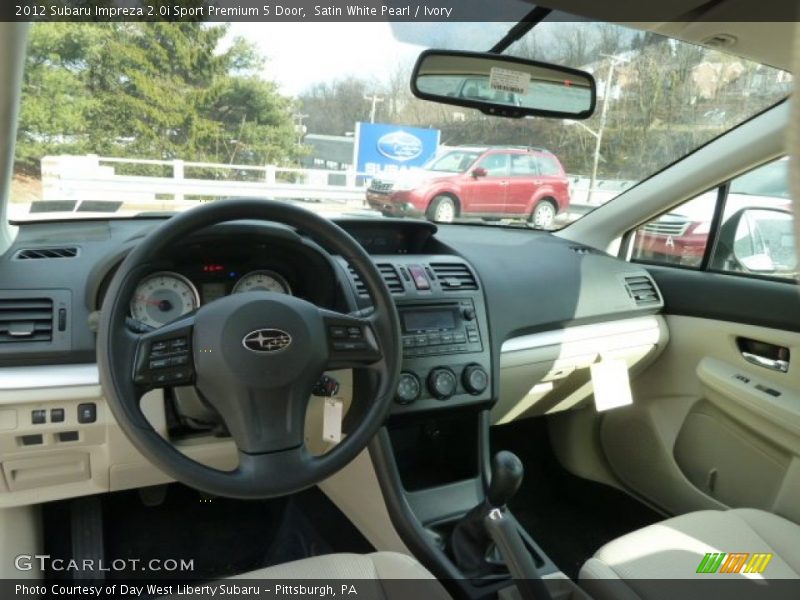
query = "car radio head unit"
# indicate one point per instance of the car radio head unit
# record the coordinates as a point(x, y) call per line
point(447, 327)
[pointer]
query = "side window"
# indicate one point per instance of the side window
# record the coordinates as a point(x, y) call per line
point(522, 164)
point(678, 237)
point(548, 165)
point(755, 236)
point(496, 165)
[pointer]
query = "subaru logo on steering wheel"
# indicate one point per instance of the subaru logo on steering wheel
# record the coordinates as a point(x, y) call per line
point(266, 340)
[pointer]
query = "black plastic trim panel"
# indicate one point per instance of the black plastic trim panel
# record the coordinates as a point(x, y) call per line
point(733, 298)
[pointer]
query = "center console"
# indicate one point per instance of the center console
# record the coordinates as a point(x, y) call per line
point(432, 458)
point(446, 346)
point(444, 361)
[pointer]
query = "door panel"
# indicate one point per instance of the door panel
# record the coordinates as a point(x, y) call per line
point(735, 298)
point(707, 428)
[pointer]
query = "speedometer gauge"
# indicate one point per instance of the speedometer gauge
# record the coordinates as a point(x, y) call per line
point(163, 297)
point(262, 281)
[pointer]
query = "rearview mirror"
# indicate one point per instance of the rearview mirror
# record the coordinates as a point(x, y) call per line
point(503, 86)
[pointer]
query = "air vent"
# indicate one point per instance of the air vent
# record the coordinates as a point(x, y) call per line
point(454, 276)
point(26, 320)
point(643, 291)
point(584, 250)
point(391, 277)
point(361, 289)
point(38, 253)
point(389, 274)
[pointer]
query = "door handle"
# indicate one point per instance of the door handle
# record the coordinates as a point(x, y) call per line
point(775, 364)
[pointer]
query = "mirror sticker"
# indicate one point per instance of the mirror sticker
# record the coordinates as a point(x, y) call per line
point(507, 80)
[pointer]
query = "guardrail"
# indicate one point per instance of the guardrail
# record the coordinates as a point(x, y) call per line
point(94, 177)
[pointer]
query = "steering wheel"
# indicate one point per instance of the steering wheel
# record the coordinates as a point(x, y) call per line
point(254, 357)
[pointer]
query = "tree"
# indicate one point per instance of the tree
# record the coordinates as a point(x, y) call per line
point(150, 90)
point(334, 107)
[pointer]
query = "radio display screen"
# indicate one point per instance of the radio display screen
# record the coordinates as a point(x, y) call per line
point(428, 320)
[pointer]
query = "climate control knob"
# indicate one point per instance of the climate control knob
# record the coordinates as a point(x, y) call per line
point(442, 383)
point(408, 388)
point(475, 379)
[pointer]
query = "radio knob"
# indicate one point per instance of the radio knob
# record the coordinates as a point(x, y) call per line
point(475, 379)
point(442, 383)
point(469, 314)
point(408, 388)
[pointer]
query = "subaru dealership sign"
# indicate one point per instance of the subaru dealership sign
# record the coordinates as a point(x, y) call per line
point(380, 147)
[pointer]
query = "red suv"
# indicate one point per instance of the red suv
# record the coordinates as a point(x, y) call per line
point(495, 182)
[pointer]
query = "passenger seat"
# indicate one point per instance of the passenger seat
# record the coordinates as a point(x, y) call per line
point(675, 548)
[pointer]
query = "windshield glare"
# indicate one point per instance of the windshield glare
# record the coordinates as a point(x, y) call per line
point(120, 119)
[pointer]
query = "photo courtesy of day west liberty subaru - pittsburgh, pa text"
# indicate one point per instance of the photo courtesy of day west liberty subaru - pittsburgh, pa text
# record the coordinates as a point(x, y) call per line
point(230, 10)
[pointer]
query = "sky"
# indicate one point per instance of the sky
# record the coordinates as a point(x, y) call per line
point(302, 53)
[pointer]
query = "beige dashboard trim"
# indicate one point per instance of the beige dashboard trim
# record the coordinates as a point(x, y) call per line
point(48, 376)
point(580, 333)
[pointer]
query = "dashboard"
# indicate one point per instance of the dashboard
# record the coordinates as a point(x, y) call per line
point(462, 291)
point(486, 314)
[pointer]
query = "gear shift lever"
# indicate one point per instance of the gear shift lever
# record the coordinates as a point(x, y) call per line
point(490, 522)
point(470, 543)
point(507, 473)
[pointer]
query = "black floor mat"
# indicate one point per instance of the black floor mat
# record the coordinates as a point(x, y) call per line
point(222, 536)
point(568, 516)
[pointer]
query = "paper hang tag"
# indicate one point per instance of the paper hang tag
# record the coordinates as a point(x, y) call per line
point(611, 383)
point(332, 414)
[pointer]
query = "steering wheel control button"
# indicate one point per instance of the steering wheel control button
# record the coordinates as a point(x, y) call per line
point(442, 383)
point(338, 332)
point(38, 417)
point(160, 363)
point(56, 415)
point(349, 346)
point(408, 388)
point(179, 345)
point(87, 412)
point(355, 333)
point(475, 379)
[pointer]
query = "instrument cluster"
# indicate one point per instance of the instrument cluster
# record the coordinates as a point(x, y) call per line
point(164, 296)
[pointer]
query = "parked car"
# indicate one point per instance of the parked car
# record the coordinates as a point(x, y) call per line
point(493, 182)
point(680, 236)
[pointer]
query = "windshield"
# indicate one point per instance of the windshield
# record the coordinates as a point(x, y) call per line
point(123, 119)
point(453, 162)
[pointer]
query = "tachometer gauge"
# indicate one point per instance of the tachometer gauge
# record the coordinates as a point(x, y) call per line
point(263, 281)
point(163, 297)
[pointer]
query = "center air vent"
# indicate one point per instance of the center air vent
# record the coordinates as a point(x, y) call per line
point(26, 320)
point(643, 291)
point(390, 277)
point(38, 253)
point(454, 276)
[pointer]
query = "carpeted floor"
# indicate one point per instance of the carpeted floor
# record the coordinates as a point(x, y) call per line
point(568, 516)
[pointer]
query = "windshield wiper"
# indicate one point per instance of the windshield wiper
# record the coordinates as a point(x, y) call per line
point(528, 22)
